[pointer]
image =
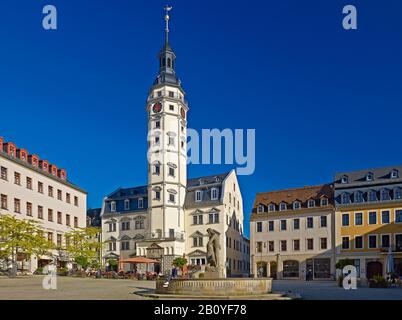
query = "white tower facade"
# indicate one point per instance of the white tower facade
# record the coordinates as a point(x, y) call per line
point(167, 156)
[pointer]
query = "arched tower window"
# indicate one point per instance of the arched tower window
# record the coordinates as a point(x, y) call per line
point(169, 63)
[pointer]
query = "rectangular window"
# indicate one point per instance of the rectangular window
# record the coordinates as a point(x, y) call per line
point(50, 236)
point(139, 224)
point(17, 178)
point(157, 124)
point(195, 219)
point(358, 242)
point(323, 243)
point(171, 197)
point(3, 173)
point(126, 204)
point(270, 226)
point(385, 241)
point(29, 209)
point(283, 225)
point(197, 196)
point(40, 212)
point(29, 183)
point(357, 265)
point(50, 215)
point(296, 245)
point(345, 219)
point(258, 247)
point(283, 245)
point(345, 243)
point(68, 220)
point(50, 191)
point(140, 203)
point(40, 187)
point(68, 198)
point(59, 217)
point(76, 201)
point(200, 219)
point(385, 216)
point(157, 195)
point(358, 219)
point(271, 246)
point(296, 224)
point(17, 205)
point(372, 241)
point(171, 172)
point(59, 195)
point(259, 226)
point(214, 194)
point(323, 220)
point(398, 216)
point(310, 244)
point(171, 141)
point(59, 242)
point(310, 223)
point(113, 206)
point(75, 222)
point(373, 217)
point(4, 202)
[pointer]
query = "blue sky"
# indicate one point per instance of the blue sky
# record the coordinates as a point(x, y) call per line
point(321, 99)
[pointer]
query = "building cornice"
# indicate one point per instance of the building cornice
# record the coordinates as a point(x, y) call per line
point(280, 214)
point(40, 171)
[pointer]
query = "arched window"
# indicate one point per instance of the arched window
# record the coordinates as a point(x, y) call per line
point(290, 269)
point(169, 63)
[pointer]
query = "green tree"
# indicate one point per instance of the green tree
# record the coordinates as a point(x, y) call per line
point(21, 238)
point(343, 263)
point(83, 246)
point(179, 262)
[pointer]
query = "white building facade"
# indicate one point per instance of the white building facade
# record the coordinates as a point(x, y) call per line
point(31, 188)
point(168, 205)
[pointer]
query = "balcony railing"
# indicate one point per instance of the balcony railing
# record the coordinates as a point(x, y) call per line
point(168, 94)
point(165, 236)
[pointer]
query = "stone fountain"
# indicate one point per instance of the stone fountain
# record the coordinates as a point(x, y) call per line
point(214, 283)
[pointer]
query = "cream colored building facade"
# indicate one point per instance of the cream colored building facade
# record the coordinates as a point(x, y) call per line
point(291, 234)
point(31, 188)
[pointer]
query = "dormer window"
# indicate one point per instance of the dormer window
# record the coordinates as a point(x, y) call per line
point(359, 197)
point(214, 193)
point(260, 208)
point(324, 202)
point(344, 179)
point(113, 206)
point(296, 205)
point(140, 203)
point(126, 204)
point(345, 198)
point(372, 195)
point(397, 193)
point(385, 194)
point(311, 203)
point(198, 195)
point(394, 174)
point(271, 207)
point(282, 206)
point(369, 177)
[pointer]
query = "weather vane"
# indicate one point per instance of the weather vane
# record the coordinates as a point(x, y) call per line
point(167, 9)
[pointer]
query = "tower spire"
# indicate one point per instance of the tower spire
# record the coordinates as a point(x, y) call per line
point(167, 17)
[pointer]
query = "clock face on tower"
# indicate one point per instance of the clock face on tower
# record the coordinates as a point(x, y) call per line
point(183, 113)
point(157, 107)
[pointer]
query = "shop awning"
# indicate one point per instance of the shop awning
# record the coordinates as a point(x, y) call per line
point(139, 260)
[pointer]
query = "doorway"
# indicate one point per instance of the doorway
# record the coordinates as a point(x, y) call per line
point(273, 267)
point(373, 268)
